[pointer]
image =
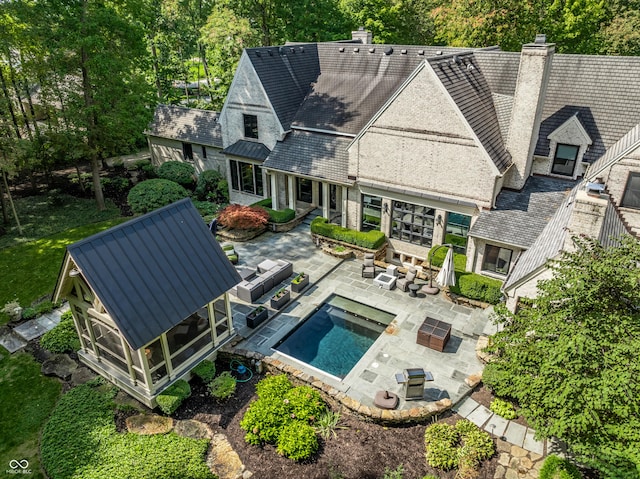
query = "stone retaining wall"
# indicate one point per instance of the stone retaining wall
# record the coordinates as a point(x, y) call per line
point(337, 398)
point(359, 251)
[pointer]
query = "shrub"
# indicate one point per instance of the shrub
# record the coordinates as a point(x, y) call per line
point(213, 187)
point(29, 313)
point(369, 239)
point(243, 217)
point(152, 194)
point(475, 286)
point(437, 260)
point(179, 172)
point(223, 386)
point(497, 379)
point(281, 216)
point(115, 186)
point(206, 208)
point(44, 307)
point(327, 423)
point(205, 370)
point(305, 403)
point(555, 467)
point(273, 386)
point(503, 408)
point(463, 445)
point(61, 339)
point(297, 441)
point(172, 397)
point(266, 203)
point(397, 473)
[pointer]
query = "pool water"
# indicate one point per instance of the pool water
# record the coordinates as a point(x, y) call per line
point(336, 335)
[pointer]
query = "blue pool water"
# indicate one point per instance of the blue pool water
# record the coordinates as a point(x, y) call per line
point(335, 336)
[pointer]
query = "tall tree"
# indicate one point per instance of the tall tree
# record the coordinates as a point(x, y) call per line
point(570, 357)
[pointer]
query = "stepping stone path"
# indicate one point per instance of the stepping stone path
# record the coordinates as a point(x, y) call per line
point(17, 338)
point(82, 375)
point(224, 461)
point(192, 429)
point(60, 365)
point(515, 462)
point(147, 424)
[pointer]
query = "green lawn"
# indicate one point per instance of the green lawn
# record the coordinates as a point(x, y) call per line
point(27, 399)
point(30, 271)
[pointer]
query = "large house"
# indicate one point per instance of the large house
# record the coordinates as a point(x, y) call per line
point(476, 147)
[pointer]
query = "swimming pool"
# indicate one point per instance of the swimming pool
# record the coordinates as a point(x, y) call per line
point(335, 335)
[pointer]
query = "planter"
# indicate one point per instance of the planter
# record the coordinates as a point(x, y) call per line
point(280, 301)
point(257, 317)
point(299, 283)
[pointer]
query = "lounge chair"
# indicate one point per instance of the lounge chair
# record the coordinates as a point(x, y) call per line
point(368, 267)
point(403, 282)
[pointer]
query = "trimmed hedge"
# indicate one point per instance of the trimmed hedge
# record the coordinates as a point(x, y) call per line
point(555, 467)
point(63, 338)
point(276, 216)
point(182, 173)
point(153, 194)
point(437, 260)
point(476, 286)
point(369, 239)
point(205, 370)
point(172, 397)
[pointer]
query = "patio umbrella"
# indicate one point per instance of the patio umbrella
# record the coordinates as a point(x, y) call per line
point(447, 275)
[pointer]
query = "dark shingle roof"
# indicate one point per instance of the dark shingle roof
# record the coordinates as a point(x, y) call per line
point(312, 154)
point(465, 82)
point(152, 272)
point(500, 70)
point(248, 149)
point(186, 124)
point(520, 216)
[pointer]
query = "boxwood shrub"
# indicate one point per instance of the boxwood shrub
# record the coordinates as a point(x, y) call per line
point(476, 286)
point(555, 467)
point(213, 187)
point(172, 397)
point(276, 216)
point(205, 370)
point(63, 338)
point(223, 386)
point(298, 441)
point(179, 172)
point(369, 239)
point(461, 446)
point(437, 260)
point(153, 194)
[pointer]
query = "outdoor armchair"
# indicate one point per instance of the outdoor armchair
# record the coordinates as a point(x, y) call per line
point(368, 267)
point(404, 282)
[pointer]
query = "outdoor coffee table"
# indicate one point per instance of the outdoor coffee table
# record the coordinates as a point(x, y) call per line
point(434, 334)
point(413, 290)
point(385, 281)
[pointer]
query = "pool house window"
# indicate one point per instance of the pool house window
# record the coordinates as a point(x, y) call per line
point(246, 177)
point(371, 213)
point(496, 259)
point(412, 223)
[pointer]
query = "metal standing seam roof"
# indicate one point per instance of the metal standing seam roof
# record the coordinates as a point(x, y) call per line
point(248, 149)
point(190, 125)
point(519, 217)
point(623, 146)
point(612, 227)
point(154, 271)
point(464, 81)
point(312, 154)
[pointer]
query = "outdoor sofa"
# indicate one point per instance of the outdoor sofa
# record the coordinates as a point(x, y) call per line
point(268, 275)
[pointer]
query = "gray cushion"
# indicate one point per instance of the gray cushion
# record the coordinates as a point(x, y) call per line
point(411, 275)
point(368, 262)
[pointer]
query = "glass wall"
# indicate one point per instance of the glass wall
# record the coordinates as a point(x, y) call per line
point(246, 177)
point(412, 223)
point(371, 213)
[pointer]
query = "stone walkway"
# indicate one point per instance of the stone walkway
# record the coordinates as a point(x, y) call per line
point(18, 337)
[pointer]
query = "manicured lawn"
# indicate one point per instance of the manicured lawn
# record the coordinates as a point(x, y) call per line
point(30, 271)
point(81, 441)
point(27, 399)
point(43, 215)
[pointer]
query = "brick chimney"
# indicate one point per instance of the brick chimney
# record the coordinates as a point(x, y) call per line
point(363, 35)
point(528, 101)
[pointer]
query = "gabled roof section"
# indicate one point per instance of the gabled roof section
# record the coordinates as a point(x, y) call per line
point(248, 149)
point(520, 216)
point(152, 272)
point(619, 150)
point(573, 123)
point(462, 78)
point(312, 154)
point(546, 246)
point(190, 125)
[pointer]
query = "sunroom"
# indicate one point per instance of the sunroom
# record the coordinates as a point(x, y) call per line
point(149, 299)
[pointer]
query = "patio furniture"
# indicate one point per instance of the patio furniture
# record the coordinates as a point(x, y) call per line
point(403, 282)
point(392, 270)
point(257, 316)
point(434, 334)
point(386, 400)
point(270, 274)
point(413, 289)
point(231, 253)
point(385, 281)
point(368, 266)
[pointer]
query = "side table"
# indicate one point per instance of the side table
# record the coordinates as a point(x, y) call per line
point(413, 290)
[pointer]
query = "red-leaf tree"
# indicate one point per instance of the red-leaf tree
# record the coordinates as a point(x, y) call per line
point(243, 217)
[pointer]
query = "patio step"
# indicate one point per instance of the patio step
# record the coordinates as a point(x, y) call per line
point(312, 215)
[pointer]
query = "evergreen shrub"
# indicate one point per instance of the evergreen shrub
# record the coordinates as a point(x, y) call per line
point(179, 172)
point(369, 239)
point(153, 194)
point(172, 397)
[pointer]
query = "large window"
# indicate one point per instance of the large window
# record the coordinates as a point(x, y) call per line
point(187, 151)
point(457, 231)
point(250, 126)
point(371, 212)
point(246, 177)
point(631, 198)
point(564, 162)
point(496, 259)
point(412, 223)
point(304, 190)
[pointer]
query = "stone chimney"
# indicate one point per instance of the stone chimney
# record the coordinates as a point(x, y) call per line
point(587, 217)
point(528, 101)
point(364, 36)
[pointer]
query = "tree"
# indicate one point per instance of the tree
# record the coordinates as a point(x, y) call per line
point(570, 356)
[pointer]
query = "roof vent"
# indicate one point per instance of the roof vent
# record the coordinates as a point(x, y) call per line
point(301, 49)
point(439, 52)
point(420, 52)
point(341, 49)
point(372, 50)
point(470, 67)
point(281, 51)
point(258, 54)
point(404, 52)
point(270, 52)
point(595, 189)
point(457, 60)
point(292, 50)
point(356, 50)
point(540, 38)
point(388, 50)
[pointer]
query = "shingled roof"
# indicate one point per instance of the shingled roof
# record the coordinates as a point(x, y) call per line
point(312, 154)
point(520, 216)
point(186, 124)
point(152, 272)
point(248, 149)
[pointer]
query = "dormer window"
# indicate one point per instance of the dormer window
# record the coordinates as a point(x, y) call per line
point(250, 126)
point(564, 162)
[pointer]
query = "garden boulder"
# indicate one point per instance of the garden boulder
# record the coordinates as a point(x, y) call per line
point(60, 365)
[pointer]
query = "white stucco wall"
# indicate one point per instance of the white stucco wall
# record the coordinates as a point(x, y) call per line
point(246, 96)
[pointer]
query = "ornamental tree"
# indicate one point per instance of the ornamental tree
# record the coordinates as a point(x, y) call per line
point(243, 217)
point(570, 356)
